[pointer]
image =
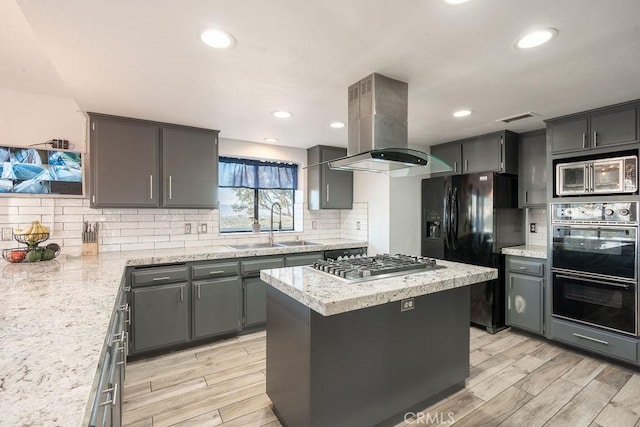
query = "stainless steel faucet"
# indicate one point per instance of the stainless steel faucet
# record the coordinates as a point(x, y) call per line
point(271, 224)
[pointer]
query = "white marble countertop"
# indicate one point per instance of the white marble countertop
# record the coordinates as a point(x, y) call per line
point(53, 322)
point(531, 251)
point(330, 295)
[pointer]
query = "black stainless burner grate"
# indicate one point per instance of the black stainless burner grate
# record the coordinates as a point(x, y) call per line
point(373, 267)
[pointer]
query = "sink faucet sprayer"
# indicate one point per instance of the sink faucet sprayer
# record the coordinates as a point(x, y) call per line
point(279, 222)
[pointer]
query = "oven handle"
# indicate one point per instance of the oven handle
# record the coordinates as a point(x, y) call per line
point(563, 276)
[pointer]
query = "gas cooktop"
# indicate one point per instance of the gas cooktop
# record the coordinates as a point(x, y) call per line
point(363, 268)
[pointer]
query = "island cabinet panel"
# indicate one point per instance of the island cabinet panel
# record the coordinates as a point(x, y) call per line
point(368, 366)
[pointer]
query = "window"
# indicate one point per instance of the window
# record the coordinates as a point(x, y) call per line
point(248, 189)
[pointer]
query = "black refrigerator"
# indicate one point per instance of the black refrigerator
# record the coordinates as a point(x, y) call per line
point(469, 219)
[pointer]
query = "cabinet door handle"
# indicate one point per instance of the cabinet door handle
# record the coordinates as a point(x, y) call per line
point(455, 166)
point(127, 309)
point(584, 140)
point(124, 348)
point(466, 165)
point(111, 402)
point(584, 337)
point(170, 188)
point(156, 279)
point(526, 196)
point(198, 289)
point(181, 294)
point(501, 153)
point(327, 193)
point(216, 272)
point(511, 282)
point(595, 138)
point(150, 187)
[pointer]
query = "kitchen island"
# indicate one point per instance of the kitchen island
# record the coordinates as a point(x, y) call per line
point(343, 353)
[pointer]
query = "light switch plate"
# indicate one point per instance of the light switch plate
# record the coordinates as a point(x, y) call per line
point(7, 234)
point(533, 227)
point(406, 304)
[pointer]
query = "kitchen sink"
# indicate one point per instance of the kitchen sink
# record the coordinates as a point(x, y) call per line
point(254, 246)
point(298, 243)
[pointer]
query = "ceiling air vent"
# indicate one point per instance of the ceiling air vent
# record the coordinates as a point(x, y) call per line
point(521, 116)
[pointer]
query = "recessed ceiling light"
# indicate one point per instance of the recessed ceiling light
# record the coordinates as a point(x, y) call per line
point(536, 38)
point(271, 140)
point(455, 1)
point(337, 125)
point(282, 114)
point(217, 38)
point(461, 113)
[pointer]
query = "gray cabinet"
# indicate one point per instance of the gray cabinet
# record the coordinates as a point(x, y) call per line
point(451, 153)
point(525, 293)
point(302, 259)
point(139, 163)
point(255, 301)
point(494, 152)
point(124, 163)
point(190, 168)
point(216, 306)
point(609, 126)
point(327, 188)
point(532, 177)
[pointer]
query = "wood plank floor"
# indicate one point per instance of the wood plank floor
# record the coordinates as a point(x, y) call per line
point(515, 380)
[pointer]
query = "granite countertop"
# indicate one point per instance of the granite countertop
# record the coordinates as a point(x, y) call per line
point(531, 251)
point(54, 318)
point(329, 295)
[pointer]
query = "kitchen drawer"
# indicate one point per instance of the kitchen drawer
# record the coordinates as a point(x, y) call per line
point(605, 343)
point(518, 265)
point(255, 265)
point(302, 259)
point(219, 269)
point(159, 275)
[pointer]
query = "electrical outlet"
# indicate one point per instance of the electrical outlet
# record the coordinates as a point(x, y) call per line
point(202, 228)
point(187, 228)
point(406, 304)
point(357, 225)
point(7, 234)
point(533, 227)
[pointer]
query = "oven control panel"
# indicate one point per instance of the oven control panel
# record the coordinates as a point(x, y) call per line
point(590, 213)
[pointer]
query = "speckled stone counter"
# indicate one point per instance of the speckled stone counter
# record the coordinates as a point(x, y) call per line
point(330, 295)
point(531, 251)
point(53, 321)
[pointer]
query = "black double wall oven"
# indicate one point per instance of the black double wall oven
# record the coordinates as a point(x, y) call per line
point(595, 264)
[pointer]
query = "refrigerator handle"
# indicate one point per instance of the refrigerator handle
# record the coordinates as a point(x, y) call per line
point(446, 219)
point(454, 218)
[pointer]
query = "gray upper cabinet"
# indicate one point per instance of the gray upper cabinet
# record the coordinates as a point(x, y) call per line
point(494, 152)
point(327, 188)
point(190, 168)
point(216, 306)
point(600, 128)
point(450, 153)
point(124, 163)
point(139, 163)
point(532, 179)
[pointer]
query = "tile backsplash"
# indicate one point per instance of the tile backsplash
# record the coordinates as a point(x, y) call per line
point(539, 217)
point(132, 229)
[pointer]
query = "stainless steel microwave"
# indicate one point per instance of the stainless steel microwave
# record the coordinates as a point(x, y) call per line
point(601, 176)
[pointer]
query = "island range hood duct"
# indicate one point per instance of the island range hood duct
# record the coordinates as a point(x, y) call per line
point(378, 131)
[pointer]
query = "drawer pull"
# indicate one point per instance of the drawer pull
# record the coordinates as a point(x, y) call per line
point(590, 339)
point(155, 279)
point(113, 400)
point(522, 268)
point(216, 272)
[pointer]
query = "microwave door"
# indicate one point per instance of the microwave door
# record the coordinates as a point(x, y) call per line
point(607, 176)
point(572, 178)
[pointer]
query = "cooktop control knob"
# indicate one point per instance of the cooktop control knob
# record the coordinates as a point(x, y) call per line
point(568, 212)
point(624, 212)
point(608, 212)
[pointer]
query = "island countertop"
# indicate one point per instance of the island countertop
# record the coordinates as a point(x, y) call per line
point(54, 318)
point(329, 295)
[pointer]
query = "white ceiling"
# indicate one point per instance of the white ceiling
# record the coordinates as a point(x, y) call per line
point(144, 59)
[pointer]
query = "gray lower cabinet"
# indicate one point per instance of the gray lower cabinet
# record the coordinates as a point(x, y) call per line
point(532, 176)
point(216, 306)
point(328, 188)
point(302, 259)
point(255, 301)
point(525, 293)
point(160, 316)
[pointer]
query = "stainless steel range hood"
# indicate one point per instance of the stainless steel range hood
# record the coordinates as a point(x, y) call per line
point(378, 131)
